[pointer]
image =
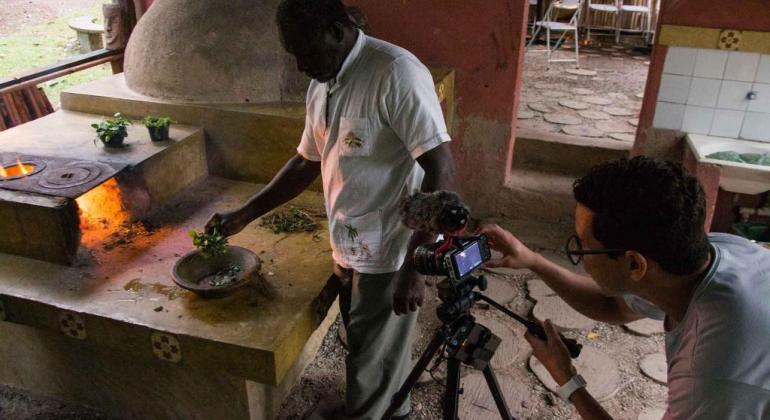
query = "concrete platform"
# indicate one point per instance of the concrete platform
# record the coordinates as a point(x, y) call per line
point(117, 330)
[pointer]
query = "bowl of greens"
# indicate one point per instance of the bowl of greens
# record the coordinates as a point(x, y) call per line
point(215, 269)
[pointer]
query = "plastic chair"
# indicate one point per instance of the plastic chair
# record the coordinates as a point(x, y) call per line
point(552, 25)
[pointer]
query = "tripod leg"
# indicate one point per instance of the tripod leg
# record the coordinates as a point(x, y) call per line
point(400, 396)
point(497, 394)
point(452, 395)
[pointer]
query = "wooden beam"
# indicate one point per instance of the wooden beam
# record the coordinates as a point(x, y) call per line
point(81, 61)
point(17, 84)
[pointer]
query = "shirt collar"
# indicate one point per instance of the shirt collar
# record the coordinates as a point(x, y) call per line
point(349, 60)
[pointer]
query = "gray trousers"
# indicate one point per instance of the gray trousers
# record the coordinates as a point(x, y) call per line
point(379, 343)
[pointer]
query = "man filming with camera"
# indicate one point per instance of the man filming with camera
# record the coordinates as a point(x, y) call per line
point(640, 235)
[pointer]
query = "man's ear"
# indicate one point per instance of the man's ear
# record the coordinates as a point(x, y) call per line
point(637, 265)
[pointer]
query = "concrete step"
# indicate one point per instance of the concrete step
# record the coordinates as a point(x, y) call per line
point(560, 153)
point(545, 165)
point(540, 196)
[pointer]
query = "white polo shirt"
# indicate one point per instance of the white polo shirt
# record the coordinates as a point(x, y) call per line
point(367, 127)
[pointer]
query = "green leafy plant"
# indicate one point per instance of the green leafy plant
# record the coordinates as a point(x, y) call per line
point(210, 244)
point(113, 130)
point(156, 122)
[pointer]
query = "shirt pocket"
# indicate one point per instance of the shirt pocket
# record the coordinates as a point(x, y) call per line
point(358, 239)
point(354, 138)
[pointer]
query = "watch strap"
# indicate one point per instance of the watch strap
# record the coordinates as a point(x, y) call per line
point(575, 383)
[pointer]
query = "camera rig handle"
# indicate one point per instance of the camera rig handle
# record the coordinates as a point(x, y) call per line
point(573, 346)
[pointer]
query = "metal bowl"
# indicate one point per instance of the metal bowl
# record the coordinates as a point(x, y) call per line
point(192, 269)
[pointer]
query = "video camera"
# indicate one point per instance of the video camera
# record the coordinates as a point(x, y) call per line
point(455, 257)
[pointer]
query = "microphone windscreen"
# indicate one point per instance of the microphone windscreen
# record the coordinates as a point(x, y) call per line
point(434, 212)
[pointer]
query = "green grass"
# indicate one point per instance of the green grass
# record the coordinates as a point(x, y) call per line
point(43, 45)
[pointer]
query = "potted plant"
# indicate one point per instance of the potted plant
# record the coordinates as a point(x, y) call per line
point(158, 127)
point(112, 131)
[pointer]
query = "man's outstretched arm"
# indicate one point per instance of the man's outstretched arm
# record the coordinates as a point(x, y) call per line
point(295, 176)
point(579, 291)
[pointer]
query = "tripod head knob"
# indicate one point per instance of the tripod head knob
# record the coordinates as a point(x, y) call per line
point(483, 283)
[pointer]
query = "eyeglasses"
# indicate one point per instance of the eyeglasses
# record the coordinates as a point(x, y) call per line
point(574, 250)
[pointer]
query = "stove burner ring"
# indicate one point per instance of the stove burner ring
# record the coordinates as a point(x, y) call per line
point(72, 175)
point(38, 165)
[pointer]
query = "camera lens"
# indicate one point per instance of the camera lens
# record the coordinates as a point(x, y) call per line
point(426, 261)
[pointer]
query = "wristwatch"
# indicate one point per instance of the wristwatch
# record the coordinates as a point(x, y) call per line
point(575, 383)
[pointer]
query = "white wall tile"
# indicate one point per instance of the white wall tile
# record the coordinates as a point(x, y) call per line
point(762, 102)
point(704, 92)
point(697, 119)
point(680, 60)
point(674, 88)
point(668, 115)
point(763, 71)
point(726, 123)
point(733, 95)
point(756, 126)
point(710, 63)
point(741, 66)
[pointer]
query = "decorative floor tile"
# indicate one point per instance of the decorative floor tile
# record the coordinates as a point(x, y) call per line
point(72, 324)
point(166, 347)
point(729, 39)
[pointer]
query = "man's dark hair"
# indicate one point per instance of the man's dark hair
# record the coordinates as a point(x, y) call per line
point(653, 207)
point(311, 16)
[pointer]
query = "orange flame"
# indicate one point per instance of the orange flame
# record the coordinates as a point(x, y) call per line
point(3, 173)
point(22, 168)
point(101, 212)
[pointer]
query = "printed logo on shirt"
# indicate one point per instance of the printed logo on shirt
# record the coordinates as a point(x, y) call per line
point(352, 141)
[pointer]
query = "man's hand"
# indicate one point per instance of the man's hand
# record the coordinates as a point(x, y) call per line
point(553, 354)
point(515, 253)
point(410, 290)
point(229, 223)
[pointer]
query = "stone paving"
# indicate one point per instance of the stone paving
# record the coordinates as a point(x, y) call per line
point(599, 100)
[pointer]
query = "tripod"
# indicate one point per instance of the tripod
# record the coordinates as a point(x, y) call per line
point(452, 392)
point(467, 342)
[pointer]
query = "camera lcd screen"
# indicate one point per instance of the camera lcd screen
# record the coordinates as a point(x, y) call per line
point(468, 259)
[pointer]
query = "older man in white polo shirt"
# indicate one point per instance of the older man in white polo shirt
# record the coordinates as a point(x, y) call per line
point(375, 132)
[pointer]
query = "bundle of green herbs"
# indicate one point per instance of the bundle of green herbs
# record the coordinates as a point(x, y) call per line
point(211, 243)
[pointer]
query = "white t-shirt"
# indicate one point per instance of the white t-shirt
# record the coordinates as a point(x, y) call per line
point(366, 128)
point(719, 355)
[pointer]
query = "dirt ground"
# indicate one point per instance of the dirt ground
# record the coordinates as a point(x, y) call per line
point(16, 14)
